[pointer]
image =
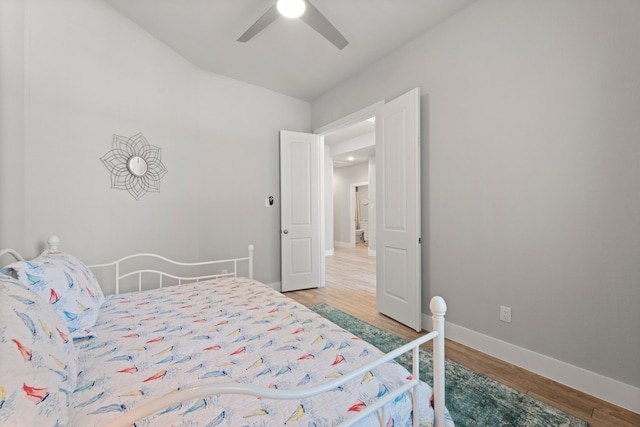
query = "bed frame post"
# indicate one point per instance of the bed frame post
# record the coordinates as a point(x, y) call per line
point(438, 309)
point(250, 261)
point(53, 241)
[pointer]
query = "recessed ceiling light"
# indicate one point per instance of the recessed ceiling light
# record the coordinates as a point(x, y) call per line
point(350, 158)
point(291, 8)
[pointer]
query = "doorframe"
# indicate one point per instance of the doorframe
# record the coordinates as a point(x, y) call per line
point(352, 207)
point(350, 119)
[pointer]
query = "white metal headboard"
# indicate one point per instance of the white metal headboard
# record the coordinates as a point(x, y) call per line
point(161, 274)
point(13, 253)
point(53, 242)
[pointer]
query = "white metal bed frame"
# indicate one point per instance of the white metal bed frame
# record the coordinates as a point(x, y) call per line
point(437, 305)
point(438, 309)
point(161, 274)
point(11, 252)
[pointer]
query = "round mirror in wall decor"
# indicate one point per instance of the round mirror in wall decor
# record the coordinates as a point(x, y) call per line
point(135, 165)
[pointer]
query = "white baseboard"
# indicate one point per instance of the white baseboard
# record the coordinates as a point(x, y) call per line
point(344, 244)
point(275, 285)
point(328, 252)
point(371, 252)
point(594, 384)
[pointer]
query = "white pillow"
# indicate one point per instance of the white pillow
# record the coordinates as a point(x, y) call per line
point(66, 283)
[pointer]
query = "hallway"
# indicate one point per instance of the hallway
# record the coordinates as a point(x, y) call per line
point(352, 267)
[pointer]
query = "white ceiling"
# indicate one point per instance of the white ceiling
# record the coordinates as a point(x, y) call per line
point(358, 156)
point(342, 138)
point(288, 56)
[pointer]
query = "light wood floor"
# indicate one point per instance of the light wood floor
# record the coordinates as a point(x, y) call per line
point(350, 286)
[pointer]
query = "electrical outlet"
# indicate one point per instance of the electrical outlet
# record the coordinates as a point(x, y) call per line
point(505, 314)
point(225, 271)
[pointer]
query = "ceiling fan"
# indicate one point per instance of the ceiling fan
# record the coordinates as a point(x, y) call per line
point(294, 9)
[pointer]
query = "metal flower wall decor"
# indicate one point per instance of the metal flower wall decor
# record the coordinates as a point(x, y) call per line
point(135, 165)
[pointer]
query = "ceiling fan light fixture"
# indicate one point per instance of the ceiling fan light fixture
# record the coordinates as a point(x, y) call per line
point(291, 8)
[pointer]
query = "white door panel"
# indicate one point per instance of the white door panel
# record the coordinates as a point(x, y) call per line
point(301, 255)
point(398, 268)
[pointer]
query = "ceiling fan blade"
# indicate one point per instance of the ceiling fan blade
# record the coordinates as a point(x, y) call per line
point(318, 22)
point(263, 22)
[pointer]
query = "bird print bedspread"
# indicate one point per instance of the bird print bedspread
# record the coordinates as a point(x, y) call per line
point(148, 344)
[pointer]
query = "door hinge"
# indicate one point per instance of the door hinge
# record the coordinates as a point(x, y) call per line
point(419, 240)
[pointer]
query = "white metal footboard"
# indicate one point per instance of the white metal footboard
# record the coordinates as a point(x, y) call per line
point(438, 308)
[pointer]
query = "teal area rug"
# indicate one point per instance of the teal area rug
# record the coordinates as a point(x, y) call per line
point(472, 398)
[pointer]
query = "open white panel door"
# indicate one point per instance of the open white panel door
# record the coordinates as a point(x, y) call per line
point(398, 281)
point(300, 185)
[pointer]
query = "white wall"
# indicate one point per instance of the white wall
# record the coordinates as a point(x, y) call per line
point(90, 73)
point(343, 178)
point(363, 193)
point(531, 172)
point(12, 191)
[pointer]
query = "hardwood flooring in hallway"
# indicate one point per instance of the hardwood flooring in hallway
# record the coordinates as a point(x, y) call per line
point(350, 286)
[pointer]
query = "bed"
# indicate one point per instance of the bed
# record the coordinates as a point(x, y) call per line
point(203, 348)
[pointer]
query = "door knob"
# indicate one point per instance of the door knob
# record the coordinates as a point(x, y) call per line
point(285, 231)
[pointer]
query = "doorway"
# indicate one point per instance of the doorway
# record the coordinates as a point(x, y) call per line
point(349, 157)
point(398, 227)
point(359, 209)
point(350, 190)
point(350, 165)
point(350, 184)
